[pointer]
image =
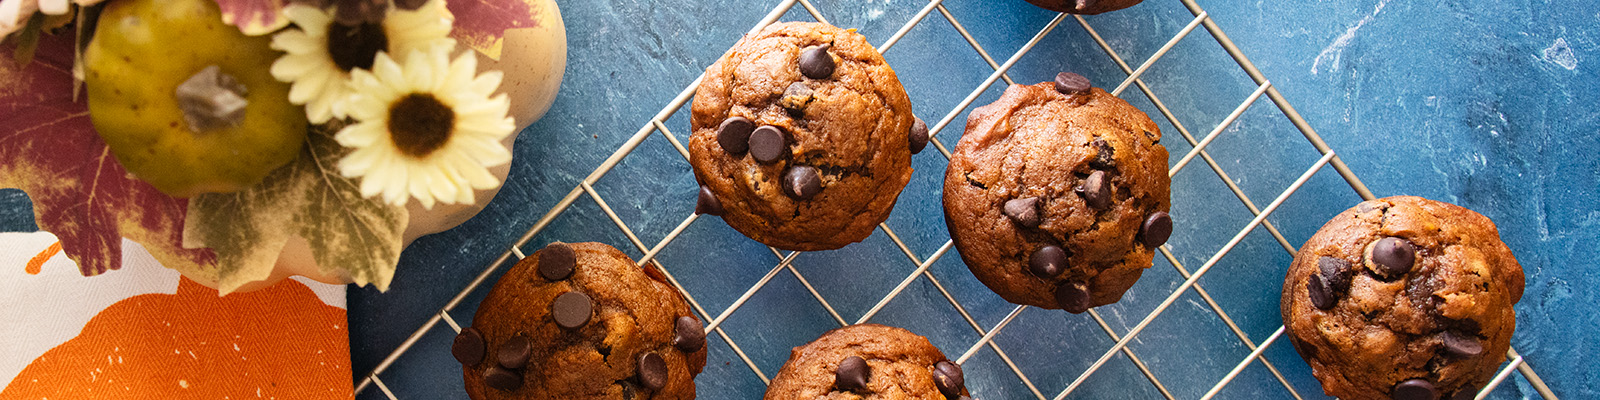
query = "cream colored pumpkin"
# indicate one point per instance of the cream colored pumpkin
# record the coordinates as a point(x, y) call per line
point(533, 61)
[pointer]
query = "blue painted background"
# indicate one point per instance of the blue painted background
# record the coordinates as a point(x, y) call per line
point(1490, 105)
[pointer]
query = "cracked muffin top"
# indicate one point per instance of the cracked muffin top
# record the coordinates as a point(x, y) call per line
point(868, 362)
point(802, 137)
point(581, 321)
point(1405, 298)
point(1057, 194)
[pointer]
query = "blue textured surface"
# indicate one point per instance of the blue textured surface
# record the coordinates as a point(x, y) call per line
point(1489, 105)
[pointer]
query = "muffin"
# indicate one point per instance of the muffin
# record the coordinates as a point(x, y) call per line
point(1057, 194)
point(1085, 7)
point(869, 362)
point(1404, 298)
point(802, 137)
point(581, 321)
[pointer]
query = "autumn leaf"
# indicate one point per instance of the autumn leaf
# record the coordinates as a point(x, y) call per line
point(49, 149)
point(253, 17)
point(481, 24)
point(349, 235)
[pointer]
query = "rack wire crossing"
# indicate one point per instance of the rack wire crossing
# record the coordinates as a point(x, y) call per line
point(784, 261)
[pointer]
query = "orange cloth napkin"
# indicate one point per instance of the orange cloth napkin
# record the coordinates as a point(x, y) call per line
point(145, 332)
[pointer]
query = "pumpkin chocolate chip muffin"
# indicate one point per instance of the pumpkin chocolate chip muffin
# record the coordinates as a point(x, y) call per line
point(581, 321)
point(1057, 195)
point(1404, 298)
point(868, 362)
point(802, 137)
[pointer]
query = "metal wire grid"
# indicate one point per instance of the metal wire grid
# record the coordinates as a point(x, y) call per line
point(1201, 18)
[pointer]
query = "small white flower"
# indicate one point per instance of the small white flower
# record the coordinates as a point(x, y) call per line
point(427, 129)
point(320, 74)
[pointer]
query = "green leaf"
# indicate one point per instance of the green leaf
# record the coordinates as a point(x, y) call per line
point(348, 234)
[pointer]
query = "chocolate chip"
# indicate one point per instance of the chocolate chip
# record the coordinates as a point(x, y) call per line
point(802, 182)
point(734, 134)
point(503, 379)
point(689, 335)
point(1369, 205)
point(1329, 282)
point(557, 261)
point(1461, 345)
point(1321, 295)
point(1335, 272)
point(816, 63)
point(796, 97)
point(707, 203)
point(514, 352)
point(918, 138)
point(652, 371)
point(947, 376)
point(852, 374)
point(767, 144)
point(1391, 257)
point(1104, 155)
point(1466, 393)
point(1096, 190)
point(1415, 389)
point(1156, 229)
point(1073, 297)
point(571, 309)
point(1070, 83)
point(468, 347)
point(1047, 262)
point(1023, 211)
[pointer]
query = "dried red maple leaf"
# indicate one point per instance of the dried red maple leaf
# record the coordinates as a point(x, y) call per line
point(481, 24)
point(49, 149)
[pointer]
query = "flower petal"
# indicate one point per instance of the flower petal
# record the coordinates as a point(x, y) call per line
point(361, 134)
point(475, 175)
point(387, 70)
point(419, 186)
point(441, 186)
point(298, 42)
point(306, 87)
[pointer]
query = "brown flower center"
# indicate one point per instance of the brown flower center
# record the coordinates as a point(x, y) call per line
point(419, 124)
point(356, 46)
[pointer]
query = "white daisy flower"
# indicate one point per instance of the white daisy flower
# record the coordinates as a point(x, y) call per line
point(427, 129)
point(320, 54)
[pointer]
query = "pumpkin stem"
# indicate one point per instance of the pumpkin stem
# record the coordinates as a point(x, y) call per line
point(211, 99)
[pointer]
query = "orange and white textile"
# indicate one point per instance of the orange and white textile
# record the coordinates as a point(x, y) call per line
point(145, 332)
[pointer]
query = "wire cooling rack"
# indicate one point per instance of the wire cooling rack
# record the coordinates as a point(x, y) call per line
point(1514, 363)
